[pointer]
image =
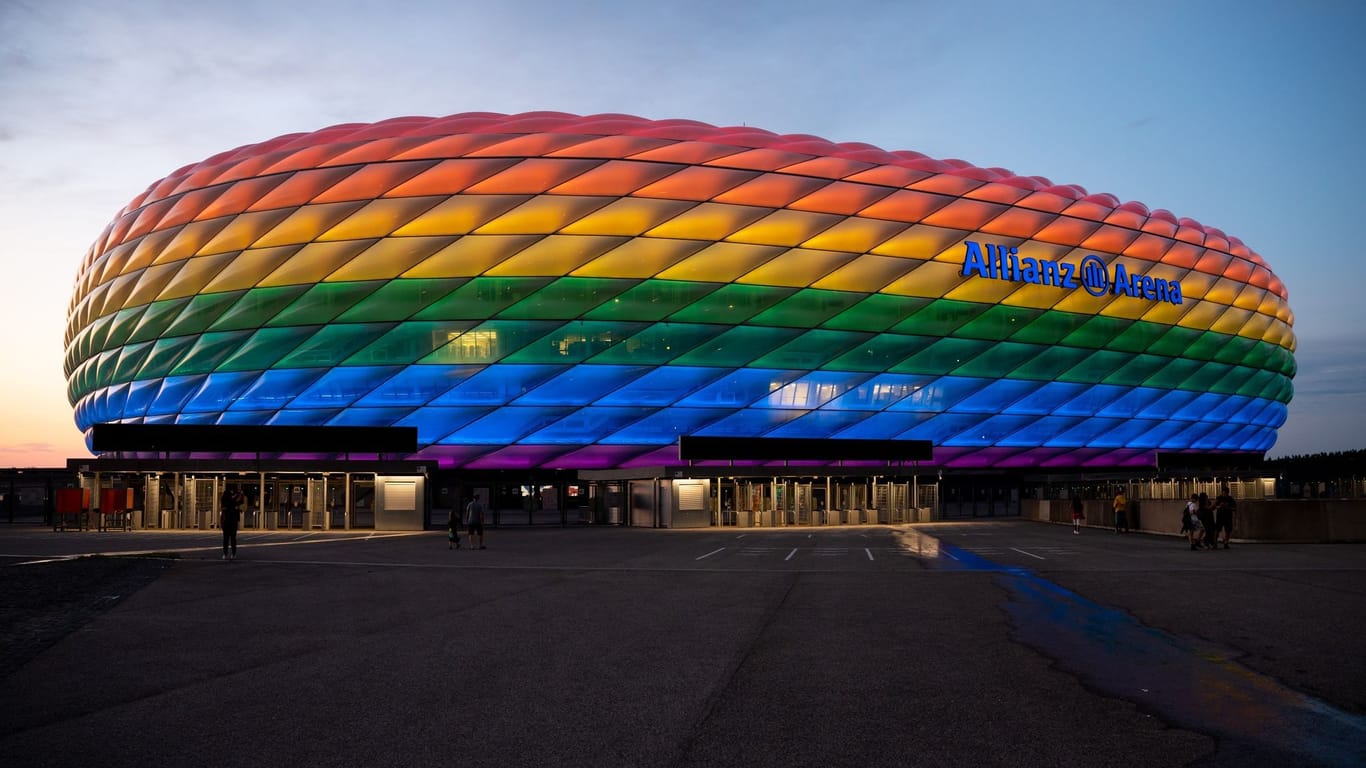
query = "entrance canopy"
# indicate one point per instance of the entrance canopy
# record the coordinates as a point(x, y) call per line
point(240, 438)
point(695, 448)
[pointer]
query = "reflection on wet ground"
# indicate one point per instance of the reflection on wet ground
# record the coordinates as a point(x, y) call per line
point(1187, 683)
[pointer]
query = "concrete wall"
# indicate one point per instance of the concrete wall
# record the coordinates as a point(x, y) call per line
point(1287, 520)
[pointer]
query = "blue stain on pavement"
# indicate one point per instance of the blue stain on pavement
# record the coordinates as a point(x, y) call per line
point(1188, 683)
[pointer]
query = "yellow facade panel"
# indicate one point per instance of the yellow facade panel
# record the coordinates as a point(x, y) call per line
point(1196, 285)
point(117, 261)
point(721, 262)
point(1224, 291)
point(1129, 307)
point(869, 273)
point(390, 258)
point(629, 216)
point(554, 255)
point(542, 215)
point(242, 231)
point(1256, 326)
point(190, 239)
point(117, 293)
point(460, 215)
point(314, 262)
point(1231, 321)
point(304, 224)
point(379, 217)
point(152, 247)
point(787, 228)
point(1167, 313)
point(709, 221)
point(921, 241)
point(470, 255)
point(1033, 296)
point(1081, 302)
point(970, 289)
point(1202, 315)
point(855, 235)
point(640, 257)
point(150, 283)
point(1250, 297)
point(249, 267)
point(797, 268)
point(194, 274)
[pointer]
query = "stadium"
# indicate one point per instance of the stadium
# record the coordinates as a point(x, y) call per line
point(546, 294)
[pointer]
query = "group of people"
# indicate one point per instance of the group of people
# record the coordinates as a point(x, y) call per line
point(1206, 524)
point(1120, 506)
point(474, 525)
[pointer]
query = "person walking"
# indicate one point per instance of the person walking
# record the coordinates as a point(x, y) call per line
point(453, 530)
point(474, 522)
point(1121, 506)
point(1207, 520)
point(1224, 506)
point(230, 515)
point(1078, 514)
point(1190, 521)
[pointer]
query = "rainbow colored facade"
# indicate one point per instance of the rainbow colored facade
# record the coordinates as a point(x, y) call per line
point(549, 290)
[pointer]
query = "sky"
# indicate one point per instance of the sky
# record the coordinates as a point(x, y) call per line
point(1246, 116)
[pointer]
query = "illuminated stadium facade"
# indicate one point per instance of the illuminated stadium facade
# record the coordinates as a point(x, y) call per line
point(552, 291)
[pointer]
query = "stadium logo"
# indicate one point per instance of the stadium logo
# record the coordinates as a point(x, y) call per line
point(998, 262)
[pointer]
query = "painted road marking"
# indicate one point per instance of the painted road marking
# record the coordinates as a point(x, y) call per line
point(1031, 554)
point(790, 554)
point(709, 554)
point(869, 552)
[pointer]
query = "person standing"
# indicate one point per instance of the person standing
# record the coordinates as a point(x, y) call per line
point(1224, 506)
point(230, 515)
point(1121, 506)
point(474, 522)
point(1078, 514)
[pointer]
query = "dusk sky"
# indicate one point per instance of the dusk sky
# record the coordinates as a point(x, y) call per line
point(1246, 116)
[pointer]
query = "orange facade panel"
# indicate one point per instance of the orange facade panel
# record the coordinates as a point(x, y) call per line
point(947, 184)
point(696, 183)
point(841, 197)
point(828, 167)
point(688, 152)
point(760, 159)
point(238, 196)
point(532, 176)
point(889, 176)
point(1017, 222)
point(906, 205)
point(300, 188)
point(1109, 239)
point(1181, 254)
point(372, 181)
point(457, 145)
point(771, 190)
point(1065, 230)
point(611, 147)
point(377, 151)
point(450, 177)
point(615, 178)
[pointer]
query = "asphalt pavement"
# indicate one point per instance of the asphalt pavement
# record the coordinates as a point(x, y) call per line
point(1009, 643)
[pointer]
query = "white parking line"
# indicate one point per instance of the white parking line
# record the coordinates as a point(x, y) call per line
point(790, 554)
point(709, 554)
point(869, 552)
point(1031, 554)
